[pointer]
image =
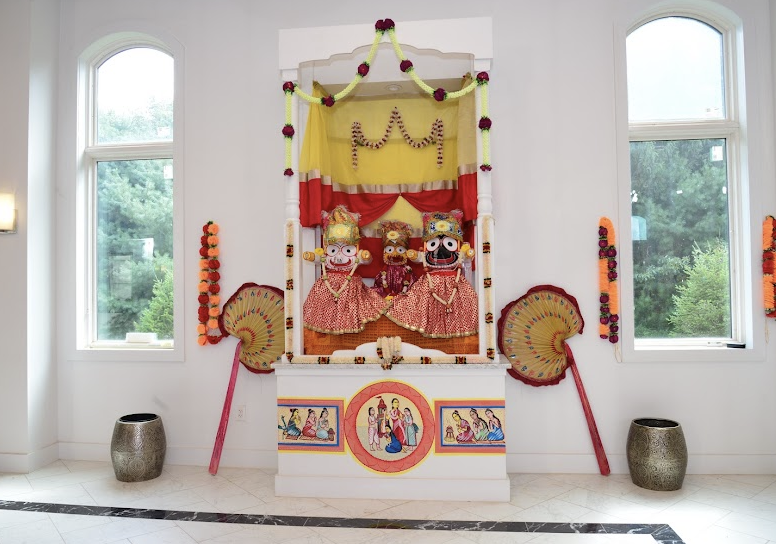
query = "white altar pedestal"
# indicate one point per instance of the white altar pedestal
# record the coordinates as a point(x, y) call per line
point(467, 472)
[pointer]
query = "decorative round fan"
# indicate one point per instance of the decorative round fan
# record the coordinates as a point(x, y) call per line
point(532, 333)
point(255, 315)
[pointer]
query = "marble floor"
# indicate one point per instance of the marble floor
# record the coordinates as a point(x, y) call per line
point(82, 502)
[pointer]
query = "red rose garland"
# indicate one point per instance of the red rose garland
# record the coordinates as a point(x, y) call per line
point(769, 269)
point(609, 315)
point(209, 299)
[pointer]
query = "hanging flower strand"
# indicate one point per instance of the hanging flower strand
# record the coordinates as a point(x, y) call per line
point(357, 138)
point(485, 123)
point(381, 28)
point(209, 299)
point(769, 263)
point(609, 315)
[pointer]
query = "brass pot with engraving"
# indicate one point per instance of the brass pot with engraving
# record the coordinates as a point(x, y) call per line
point(657, 454)
point(138, 447)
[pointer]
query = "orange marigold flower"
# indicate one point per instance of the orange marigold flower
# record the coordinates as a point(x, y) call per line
point(215, 300)
point(212, 323)
point(768, 233)
point(203, 286)
point(603, 275)
point(212, 240)
point(204, 263)
point(201, 328)
point(213, 252)
point(202, 340)
point(214, 311)
point(203, 274)
point(212, 228)
point(614, 299)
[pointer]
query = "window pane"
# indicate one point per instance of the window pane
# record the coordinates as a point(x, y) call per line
point(675, 71)
point(134, 248)
point(681, 260)
point(134, 97)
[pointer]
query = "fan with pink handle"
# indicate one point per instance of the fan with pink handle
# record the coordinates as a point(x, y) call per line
point(533, 332)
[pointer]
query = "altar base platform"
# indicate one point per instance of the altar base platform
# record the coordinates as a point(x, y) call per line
point(441, 461)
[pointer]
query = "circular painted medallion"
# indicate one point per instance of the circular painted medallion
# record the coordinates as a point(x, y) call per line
point(389, 427)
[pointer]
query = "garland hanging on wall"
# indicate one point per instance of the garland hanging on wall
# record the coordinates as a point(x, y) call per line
point(609, 297)
point(208, 287)
point(769, 257)
point(436, 136)
point(405, 65)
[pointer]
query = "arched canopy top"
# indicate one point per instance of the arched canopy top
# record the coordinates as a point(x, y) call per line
point(472, 36)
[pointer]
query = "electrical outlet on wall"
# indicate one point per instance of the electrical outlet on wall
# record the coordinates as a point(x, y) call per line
point(240, 412)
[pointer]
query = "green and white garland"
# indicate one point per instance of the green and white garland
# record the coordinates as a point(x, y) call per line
point(381, 28)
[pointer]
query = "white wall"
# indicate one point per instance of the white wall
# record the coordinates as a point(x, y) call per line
point(14, 90)
point(552, 98)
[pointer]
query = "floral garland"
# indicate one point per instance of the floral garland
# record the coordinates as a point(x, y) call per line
point(357, 137)
point(609, 316)
point(769, 256)
point(405, 65)
point(485, 122)
point(209, 299)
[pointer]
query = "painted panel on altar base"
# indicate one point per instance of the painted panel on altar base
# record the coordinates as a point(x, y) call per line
point(389, 427)
point(310, 425)
point(470, 426)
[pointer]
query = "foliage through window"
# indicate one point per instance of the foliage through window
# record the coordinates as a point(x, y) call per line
point(130, 157)
point(682, 135)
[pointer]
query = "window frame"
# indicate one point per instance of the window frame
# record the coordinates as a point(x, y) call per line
point(741, 201)
point(89, 153)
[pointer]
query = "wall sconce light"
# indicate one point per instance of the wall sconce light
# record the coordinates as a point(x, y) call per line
point(7, 213)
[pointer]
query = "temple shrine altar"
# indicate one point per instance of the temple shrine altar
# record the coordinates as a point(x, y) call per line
point(391, 385)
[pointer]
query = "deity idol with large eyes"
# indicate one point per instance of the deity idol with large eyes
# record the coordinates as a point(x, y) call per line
point(339, 302)
point(396, 276)
point(441, 303)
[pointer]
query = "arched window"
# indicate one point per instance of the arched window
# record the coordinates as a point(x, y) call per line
point(686, 198)
point(127, 177)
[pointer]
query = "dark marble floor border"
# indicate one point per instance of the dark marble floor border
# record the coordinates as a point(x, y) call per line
point(663, 534)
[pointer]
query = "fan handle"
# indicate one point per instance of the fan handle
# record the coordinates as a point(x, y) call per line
point(215, 460)
point(600, 454)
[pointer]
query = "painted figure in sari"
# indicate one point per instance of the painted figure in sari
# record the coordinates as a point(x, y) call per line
point(382, 408)
point(394, 446)
point(338, 301)
point(322, 431)
point(442, 302)
point(396, 420)
point(465, 433)
point(494, 424)
point(479, 426)
point(410, 430)
point(373, 435)
point(292, 427)
point(309, 428)
point(396, 276)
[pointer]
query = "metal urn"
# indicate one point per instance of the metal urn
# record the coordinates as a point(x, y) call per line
point(657, 454)
point(138, 447)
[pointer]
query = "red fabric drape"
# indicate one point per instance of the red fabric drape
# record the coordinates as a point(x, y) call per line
point(315, 197)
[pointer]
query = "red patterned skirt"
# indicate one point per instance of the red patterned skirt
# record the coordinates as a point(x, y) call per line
point(356, 305)
point(419, 310)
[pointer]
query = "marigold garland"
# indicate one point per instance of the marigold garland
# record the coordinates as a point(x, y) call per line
point(209, 299)
point(609, 315)
point(405, 65)
point(769, 256)
point(357, 138)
